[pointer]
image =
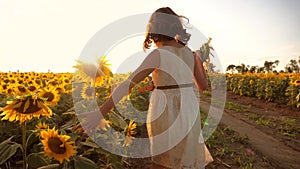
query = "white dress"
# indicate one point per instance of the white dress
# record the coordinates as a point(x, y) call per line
point(173, 120)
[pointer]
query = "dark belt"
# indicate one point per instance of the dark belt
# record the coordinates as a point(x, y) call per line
point(174, 86)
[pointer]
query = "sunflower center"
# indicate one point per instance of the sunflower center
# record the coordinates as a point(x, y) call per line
point(32, 88)
point(54, 83)
point(56, 145)
point(49, 96)
point(38, 81)
point(67, 81)
point(27, 106)
point(9, 91)
point(89, 91)
point(4, 87)
point(21, 89)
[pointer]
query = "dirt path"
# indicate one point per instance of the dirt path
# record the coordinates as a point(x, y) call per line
point(277, 152)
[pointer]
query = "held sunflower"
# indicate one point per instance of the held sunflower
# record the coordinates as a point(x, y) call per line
point(93, 73)
point(57, 146)
point(25, 108)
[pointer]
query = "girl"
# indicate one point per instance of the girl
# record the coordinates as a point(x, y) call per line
point(173, 121)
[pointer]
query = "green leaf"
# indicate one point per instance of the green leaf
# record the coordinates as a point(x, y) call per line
point(90, 144)
point(8, 149)
point(122, 123)
point(116, 161)
point(84, 163)
point(68, 125)
point(36, 160)
point(69, 113)
point(50, 166)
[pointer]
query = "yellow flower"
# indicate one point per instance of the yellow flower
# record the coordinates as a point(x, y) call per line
point(51, 95)
point(93, 73)
point(9, 91)
point(25, 108)
point(41, 126)
point(57, 146)
point(60, 89)
point(296, 82)
point(251, 82)
point(104, 66)
point(32, 89)
point(131, 128)
point(129, 131)
point(88, 92)
point(21, 90)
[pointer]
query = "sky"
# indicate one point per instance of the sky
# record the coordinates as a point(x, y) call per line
point(42, 35)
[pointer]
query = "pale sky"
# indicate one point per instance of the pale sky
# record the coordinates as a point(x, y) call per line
point(38, 35)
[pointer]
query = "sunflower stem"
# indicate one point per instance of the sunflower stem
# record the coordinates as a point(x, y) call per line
point(24, 144)
point(65, 165)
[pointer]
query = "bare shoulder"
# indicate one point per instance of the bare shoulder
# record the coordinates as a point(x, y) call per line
point(152, 59)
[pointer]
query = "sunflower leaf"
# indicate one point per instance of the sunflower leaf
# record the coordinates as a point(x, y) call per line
point(119, 119)
point(36, 160)
point(90, 144)
point(50, 166)
point(8, 149)
point(83, 163)
point(69, 124)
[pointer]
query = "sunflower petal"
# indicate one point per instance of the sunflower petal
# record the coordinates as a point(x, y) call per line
point(26, 106)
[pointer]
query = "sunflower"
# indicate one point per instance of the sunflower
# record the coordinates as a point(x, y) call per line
point(9, 91)
point(296, 82)
point(41, 126)
point(21, 90)
point(90, 72)
point(56, 145)
point(87, 92)
point(130, 129)
point(50, 95)
point(25, 108)
point(251, 82)
point(104, 66)
point(60, 89)
point(3, 88)
point(32, 88)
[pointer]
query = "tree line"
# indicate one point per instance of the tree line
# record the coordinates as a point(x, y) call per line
point(268, 67)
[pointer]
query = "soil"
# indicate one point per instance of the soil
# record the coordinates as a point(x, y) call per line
point(277, 139)
point(270, 148)
point(273, 112)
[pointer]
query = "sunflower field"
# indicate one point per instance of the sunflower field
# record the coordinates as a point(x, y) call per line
point(278, 87)
point(39, 127)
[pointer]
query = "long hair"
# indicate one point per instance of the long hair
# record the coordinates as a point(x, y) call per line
point(164, 24)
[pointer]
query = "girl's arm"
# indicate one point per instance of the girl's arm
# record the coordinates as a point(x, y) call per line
point(93, 118)
point(151, 62)
point(200, 73)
